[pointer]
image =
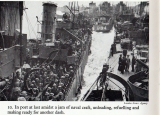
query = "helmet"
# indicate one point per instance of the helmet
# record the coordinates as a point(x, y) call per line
point(56, 80)
point(37, 79)
point(33, 81)
point(17, 84)
point(49, 88)
point(59, 86)
point(16, 89)
point(46, 93)
point(71, 67)
point(72, 71)
point(62, 77)
point(60, 93)
point(40, 84)
point(66, 75)
point(54, 85)
point(51, 94)
point(24, 93)
point(21, 99)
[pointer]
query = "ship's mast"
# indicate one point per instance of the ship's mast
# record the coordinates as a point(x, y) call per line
point(21, 15)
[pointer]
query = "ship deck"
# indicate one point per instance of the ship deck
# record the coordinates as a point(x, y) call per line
point(113, 68)
point(113, 62)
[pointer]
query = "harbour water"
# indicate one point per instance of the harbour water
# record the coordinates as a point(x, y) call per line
point(100, 48)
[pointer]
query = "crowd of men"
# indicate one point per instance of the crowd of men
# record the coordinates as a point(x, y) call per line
point(44, 82)
point(125, 62)
point(47, 81)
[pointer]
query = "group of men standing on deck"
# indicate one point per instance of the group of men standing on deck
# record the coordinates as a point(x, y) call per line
point(124, 62)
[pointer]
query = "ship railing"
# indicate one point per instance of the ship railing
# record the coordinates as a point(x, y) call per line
point(69, 86)
point(71, 82)
point(80, 63)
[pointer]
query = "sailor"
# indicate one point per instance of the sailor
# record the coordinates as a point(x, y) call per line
point(46, 97)
point(16, 93)
point(58, 37)
point(66, 79)
point(124, 52)
point(123, 64)
point(47, 80)
point(24, 94)
point(37, 81)
point(66, 17)
point(62, 79)
point(54, 89)
point(131, 45)
point(133, 62)
point(41, 86)
point(35, 91)
point(60, 96)
point(56, 81)
point(51, 96)
point(17, 74)
point(17, 83)
point(71, 74)
point(22, 76)
point(102, 76)
point(49, 89)
point(54, 98)
point(61, 71)
point(120, 63)
point(128, 63)
point(112, 50)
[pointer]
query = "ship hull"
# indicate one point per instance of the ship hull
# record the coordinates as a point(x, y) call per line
point(140, 94)
point(102, 28)
point(78, 76)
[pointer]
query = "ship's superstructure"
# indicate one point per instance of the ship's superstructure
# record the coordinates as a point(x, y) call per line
point(103, 18)
point(12, 46)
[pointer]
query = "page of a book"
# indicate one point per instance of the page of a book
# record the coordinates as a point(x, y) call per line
point(79, 57)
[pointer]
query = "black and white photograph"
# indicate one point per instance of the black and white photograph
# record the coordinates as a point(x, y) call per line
point(74, 51)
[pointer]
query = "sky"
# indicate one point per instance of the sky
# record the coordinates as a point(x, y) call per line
point(35, 8)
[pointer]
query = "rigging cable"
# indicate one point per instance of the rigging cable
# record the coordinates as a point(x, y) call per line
point(30, 23)
point(54, 57)
point(28, 27)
